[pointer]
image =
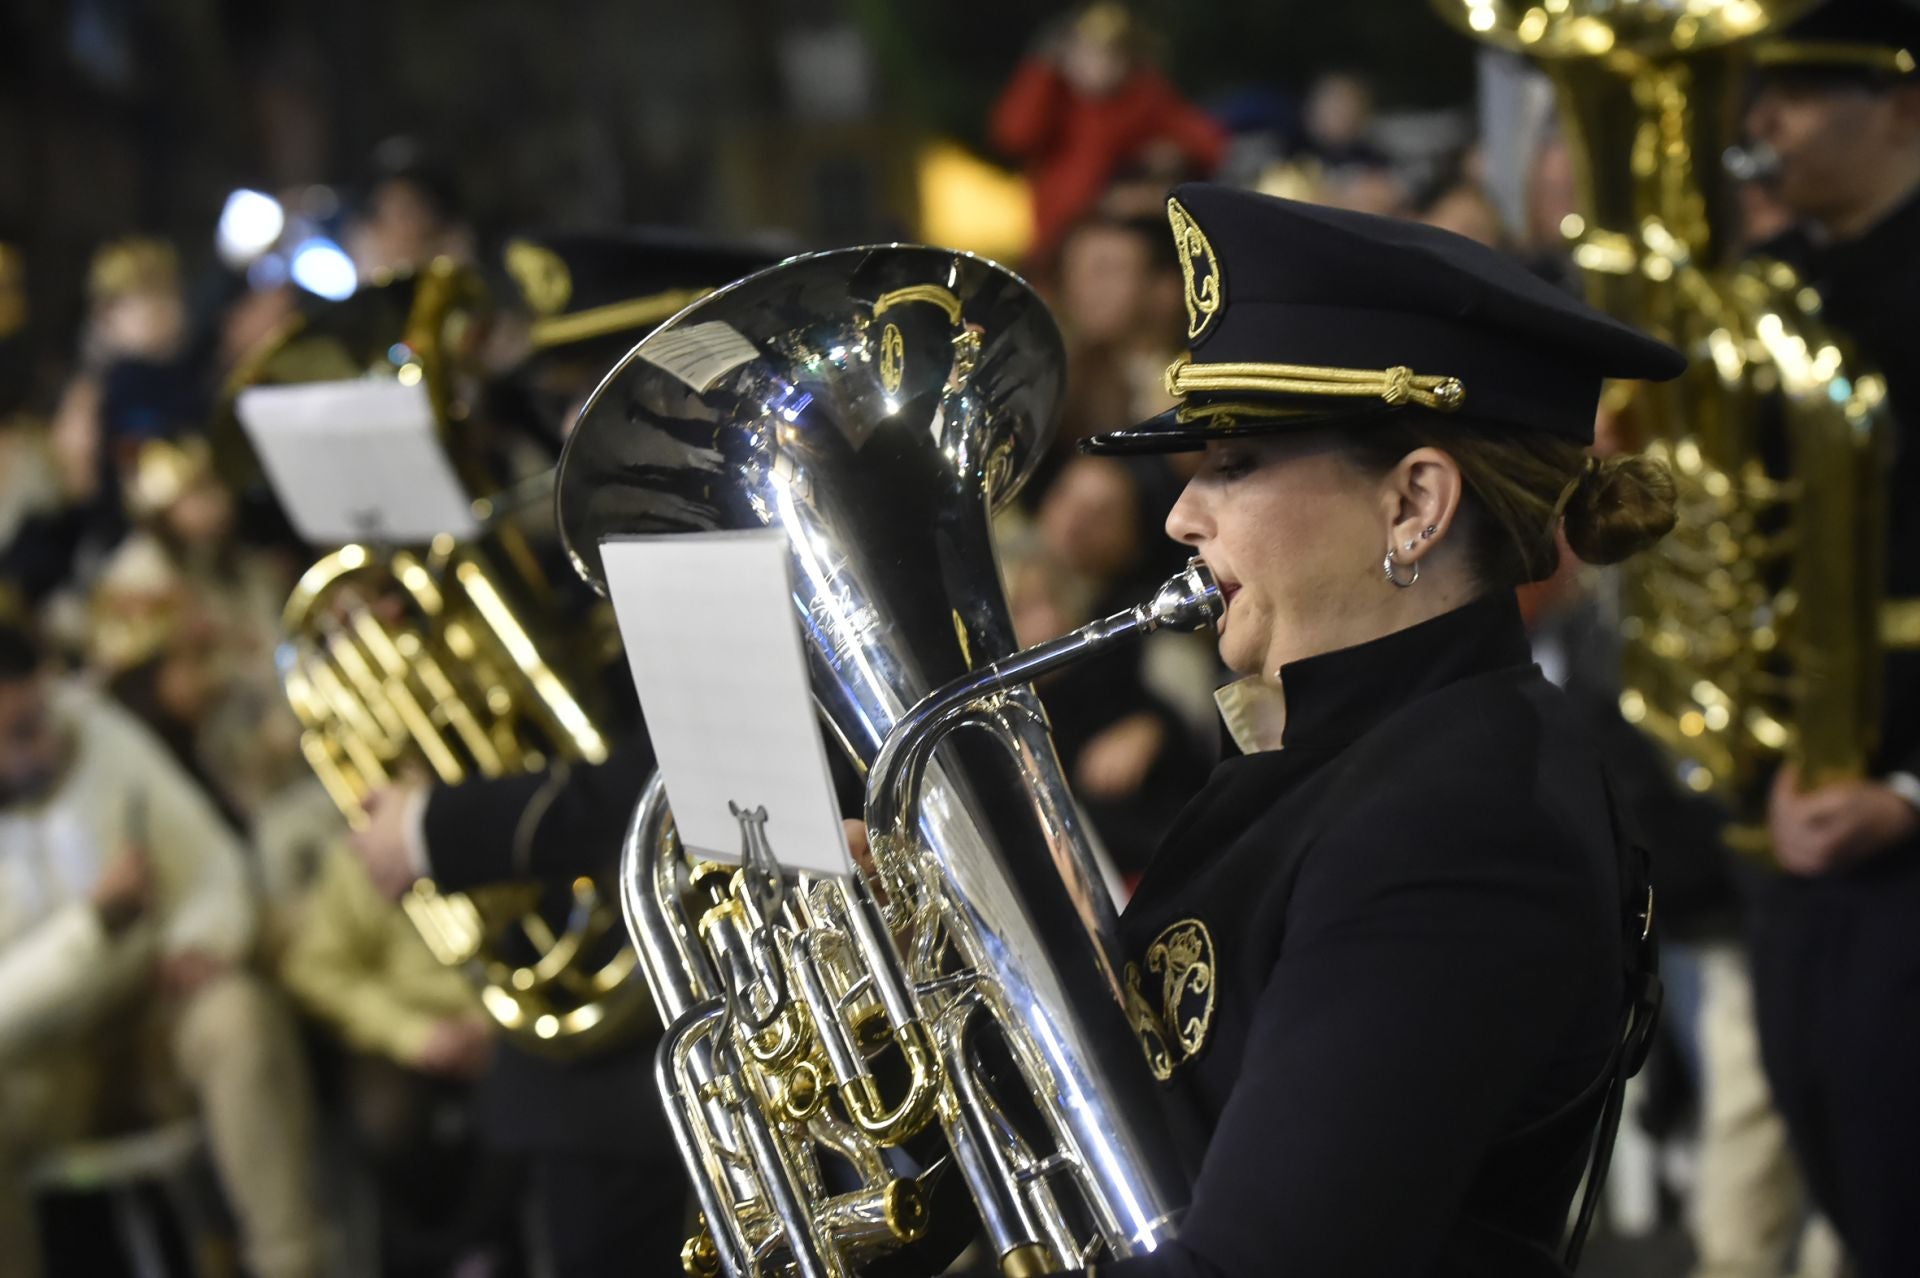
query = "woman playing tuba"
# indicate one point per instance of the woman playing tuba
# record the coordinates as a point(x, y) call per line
point(1387, 966)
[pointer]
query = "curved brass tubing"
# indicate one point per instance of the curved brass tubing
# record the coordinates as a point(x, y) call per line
point(915, 1110)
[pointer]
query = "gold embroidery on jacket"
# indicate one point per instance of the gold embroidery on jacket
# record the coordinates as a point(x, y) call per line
point(1182, 957)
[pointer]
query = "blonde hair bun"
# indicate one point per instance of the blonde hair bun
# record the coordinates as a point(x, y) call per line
point(1619, 506)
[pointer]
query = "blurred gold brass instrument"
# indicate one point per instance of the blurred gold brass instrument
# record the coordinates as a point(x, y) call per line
point(837, 1043)
point(429, 660)
point(1752, 633)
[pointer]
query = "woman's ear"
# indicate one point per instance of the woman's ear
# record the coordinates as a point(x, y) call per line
point(1421, 496)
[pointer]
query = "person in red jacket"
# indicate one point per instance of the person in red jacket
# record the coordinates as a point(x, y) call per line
point(1086, 106)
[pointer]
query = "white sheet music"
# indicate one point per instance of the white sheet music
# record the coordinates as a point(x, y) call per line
point(714, 641)
point(356, 461)
point(699, 354)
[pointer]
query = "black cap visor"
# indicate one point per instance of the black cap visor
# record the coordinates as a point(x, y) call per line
point(1187, 430)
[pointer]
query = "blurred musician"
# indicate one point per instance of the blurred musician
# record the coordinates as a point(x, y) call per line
point(1837, 959)
point(607, 1179)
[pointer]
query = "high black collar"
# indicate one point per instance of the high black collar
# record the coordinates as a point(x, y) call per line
point(1818, 255)
point(1336, 697)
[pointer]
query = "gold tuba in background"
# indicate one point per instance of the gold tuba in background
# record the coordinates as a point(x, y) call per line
point(1752, 633)
point(447, 660)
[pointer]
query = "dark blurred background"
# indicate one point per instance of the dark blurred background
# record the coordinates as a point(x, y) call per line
point(814, 116)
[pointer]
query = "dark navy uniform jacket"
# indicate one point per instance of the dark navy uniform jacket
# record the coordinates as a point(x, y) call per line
point(1380, 969)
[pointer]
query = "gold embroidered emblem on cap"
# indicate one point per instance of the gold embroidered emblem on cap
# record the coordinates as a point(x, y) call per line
point(1206, 287)
point(541, 275)
point(1182, 957)
point(893, 358)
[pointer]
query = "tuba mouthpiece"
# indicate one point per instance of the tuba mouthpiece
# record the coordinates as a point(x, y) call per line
point(1189, 600)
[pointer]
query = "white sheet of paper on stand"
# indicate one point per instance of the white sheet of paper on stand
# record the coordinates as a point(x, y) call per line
point(356, 461)
point(711, 633)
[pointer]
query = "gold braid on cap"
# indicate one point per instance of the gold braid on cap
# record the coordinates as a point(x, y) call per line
point(1834, 53)
point(136, 264)
point(1398, 385)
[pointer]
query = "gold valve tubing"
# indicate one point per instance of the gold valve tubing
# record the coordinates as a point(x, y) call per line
point(333, 778)
point(566, 711)
point(892, 1213)
point(418, 723)
point(556, 952)
point(418, 582)
point(915, 1110)
point(1029, 1260)
point(450, 924)
point(351, 662)
point(784, 1038)
point(801, 1093)
point(447, 702)
point(345, 731)
point(338, 698)
point(699, 1258)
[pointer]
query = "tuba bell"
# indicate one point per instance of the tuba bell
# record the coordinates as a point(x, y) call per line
point(433, 660)
point(1753, 633)
point(837, 1044)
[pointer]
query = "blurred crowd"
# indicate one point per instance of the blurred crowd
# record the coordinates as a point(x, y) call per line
point(187, 944)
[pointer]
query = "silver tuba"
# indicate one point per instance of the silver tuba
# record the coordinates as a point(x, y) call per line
point(876, 404)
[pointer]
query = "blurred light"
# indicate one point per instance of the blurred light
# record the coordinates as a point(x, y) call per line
point(267, 272)
point(319, 202)
point(320, 266)
point(249, 225)
point(1592, 35)
point(966, 203)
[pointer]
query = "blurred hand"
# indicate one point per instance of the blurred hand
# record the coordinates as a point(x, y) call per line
point(858, 844)
point(1818, 831)
point(183, 974)
point(124, 891)
point(457, 1047)
point(1115, 763)
point(383, 842)
point(74, 440)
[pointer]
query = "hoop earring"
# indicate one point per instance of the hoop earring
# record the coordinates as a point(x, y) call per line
point(1387, 566)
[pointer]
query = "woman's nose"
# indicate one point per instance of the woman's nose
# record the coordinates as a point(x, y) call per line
point(1187, 522)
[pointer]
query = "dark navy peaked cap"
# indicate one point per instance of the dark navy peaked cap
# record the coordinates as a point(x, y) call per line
point(615, 286)
point(1846, 41)
point(1303, 316)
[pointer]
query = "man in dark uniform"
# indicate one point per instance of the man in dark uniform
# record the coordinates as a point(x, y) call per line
point(1836, 949)
point(607, 1178)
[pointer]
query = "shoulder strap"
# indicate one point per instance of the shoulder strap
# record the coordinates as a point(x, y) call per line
point(1642, 1009)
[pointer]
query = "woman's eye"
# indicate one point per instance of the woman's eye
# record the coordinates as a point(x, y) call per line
point(1232, 465)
